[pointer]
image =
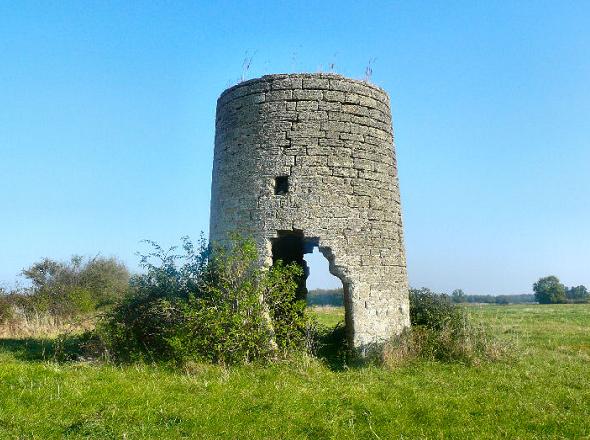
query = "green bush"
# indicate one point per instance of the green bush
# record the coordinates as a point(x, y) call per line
point(68, 289)
point(434, 311)
point(208, 305)
point(440, 330)
point(6, 310)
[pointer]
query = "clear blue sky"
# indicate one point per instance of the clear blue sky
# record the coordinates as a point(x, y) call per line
point(107, 124)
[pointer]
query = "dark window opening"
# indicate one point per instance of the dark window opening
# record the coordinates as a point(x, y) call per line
point(281, 185)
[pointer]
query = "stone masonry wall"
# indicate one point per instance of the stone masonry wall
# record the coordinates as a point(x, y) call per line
point(333, 138)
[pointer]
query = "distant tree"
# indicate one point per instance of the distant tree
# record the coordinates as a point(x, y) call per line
point(515, 299)
point(46, 272)
point(500, 299)
point(577, 294)
point(549, 290)
point(325, 297)
point(458, 296)
point(480, 299)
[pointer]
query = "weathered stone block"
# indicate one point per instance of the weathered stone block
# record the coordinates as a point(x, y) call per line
point(308, 95)
point(331, 95)
point(307, 105)
point(279, 95)
point(316, 83)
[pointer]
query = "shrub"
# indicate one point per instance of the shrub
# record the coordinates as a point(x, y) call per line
point(141, 324)
point(213, 305)
point(67, 289)
point(434, 311)
point(226, 321)
point(291, 326)
point(6, 310)
point(105, 279)
point(440, 330)
point(61, 294)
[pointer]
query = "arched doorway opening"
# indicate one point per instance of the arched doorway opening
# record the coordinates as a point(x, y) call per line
point(294, 247)
point(324, 289)
point(325, 292)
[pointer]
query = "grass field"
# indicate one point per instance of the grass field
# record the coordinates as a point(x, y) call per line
point(543, 391)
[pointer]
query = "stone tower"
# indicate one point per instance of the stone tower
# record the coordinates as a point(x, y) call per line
point(304, 160)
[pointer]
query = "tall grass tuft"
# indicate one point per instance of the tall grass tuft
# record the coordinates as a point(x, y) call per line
point(23, 324)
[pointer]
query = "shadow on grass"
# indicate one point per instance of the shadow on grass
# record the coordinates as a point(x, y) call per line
point(61, 349)
point(27, 349)
point(333, 350)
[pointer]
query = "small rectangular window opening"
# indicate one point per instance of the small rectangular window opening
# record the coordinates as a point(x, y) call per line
point(281, 185)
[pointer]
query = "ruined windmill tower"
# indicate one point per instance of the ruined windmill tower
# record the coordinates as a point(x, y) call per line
point(304, 160)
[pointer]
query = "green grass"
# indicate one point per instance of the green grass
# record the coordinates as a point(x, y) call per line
point(543, 392)
point(328, 316)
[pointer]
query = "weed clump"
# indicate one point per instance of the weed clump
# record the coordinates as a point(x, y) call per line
point(440, 331)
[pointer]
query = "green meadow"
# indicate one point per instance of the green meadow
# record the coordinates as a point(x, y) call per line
point(540, 390)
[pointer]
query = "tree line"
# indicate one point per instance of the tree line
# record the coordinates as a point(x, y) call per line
point(458, 296)
point(547, 290)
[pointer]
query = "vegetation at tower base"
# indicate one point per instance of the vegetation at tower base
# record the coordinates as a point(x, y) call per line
point(216, 305)
point(208, 304)
point(442, 330)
